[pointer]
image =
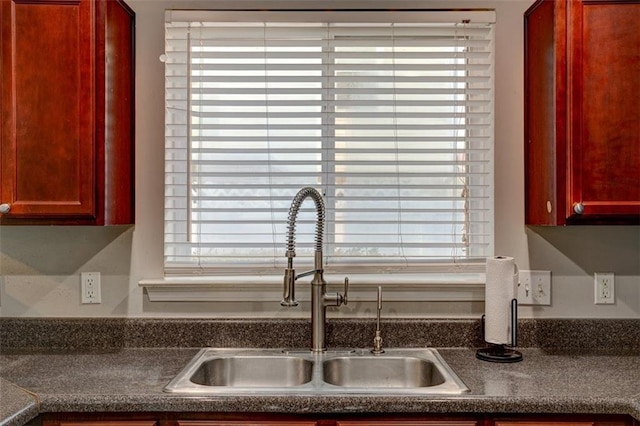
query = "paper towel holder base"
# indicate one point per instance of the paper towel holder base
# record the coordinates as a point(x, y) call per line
point(500, 353)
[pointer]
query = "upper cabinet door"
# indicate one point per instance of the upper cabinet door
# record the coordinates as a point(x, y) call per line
point(604, 107)
point(47, 103)
point(67, 112)
point(582, 112)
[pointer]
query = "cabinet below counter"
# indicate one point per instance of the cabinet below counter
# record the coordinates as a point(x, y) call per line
point(270, 419)
point(122, 383)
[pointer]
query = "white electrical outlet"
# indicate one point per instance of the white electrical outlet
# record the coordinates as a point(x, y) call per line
point(90, 287)
point(604, 286)
point(534, 288)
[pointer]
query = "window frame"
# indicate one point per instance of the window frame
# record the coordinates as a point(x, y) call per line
point(466, 278)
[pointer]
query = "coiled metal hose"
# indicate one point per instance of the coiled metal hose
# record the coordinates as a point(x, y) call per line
point(304, 193)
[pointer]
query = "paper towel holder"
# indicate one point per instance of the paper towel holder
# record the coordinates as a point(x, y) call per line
point(500, 353)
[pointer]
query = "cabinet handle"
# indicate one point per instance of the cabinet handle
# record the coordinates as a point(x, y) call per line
point(578, 208)
point(5, 208)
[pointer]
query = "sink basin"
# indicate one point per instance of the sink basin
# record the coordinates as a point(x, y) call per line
point(214, 371)
point(226, 371)
point(253, 371)
point(382, 372)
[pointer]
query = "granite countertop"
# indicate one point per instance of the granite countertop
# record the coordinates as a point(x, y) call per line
point(17, 406)
point(129, 380)
point(121, 365)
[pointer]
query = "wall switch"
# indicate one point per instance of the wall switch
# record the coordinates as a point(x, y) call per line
point(534, 288)
point(604, 286)
point(90, 287)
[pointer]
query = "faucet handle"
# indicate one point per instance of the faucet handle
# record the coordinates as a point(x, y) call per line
point(346, 291)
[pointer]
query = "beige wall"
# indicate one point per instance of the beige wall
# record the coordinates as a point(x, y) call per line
point(40, 266)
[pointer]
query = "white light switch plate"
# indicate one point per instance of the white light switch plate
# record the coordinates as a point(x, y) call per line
point(534, 288)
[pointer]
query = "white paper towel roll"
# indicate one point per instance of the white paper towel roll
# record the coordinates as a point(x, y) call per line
point(500, 289)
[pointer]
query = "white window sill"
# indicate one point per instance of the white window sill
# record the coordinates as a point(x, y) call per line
point(466, 287)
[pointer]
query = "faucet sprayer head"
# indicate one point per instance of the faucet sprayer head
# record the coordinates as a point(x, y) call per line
point(288, 288)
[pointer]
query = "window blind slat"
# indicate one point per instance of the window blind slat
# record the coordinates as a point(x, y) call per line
point(179, 56)
point(347, 91)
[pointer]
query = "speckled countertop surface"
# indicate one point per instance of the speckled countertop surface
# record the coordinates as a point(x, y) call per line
point(17, 406)
point(126, 379)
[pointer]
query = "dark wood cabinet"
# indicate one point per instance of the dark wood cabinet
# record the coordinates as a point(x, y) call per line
point(336, 419)
point(67, 112)
point(237, 419)
point(582, 112)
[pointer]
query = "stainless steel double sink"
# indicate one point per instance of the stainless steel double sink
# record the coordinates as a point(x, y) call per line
point(219, 371)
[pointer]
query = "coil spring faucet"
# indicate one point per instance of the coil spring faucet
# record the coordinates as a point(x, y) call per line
point(320, 299)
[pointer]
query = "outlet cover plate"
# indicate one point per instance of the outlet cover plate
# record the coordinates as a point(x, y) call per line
point(604, 288)
point(90, 291)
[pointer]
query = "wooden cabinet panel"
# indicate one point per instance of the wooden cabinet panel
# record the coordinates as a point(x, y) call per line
point(567, 420)
point(66, 76)
point(106, 423)
point(99, 423)
point(545, 87)
point(543, 423)
point(582, 132)
point(407, 423)
point(47, 165)
point(604, 109)
point(117, 99)
point(247, 423)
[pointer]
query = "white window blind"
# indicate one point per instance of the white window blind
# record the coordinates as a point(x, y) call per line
point(388, 115)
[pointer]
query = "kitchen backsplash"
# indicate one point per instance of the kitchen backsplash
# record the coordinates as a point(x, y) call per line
point(555, 335)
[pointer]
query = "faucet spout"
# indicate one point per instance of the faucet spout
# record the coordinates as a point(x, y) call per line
point(320, 299)
point(288, 296)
